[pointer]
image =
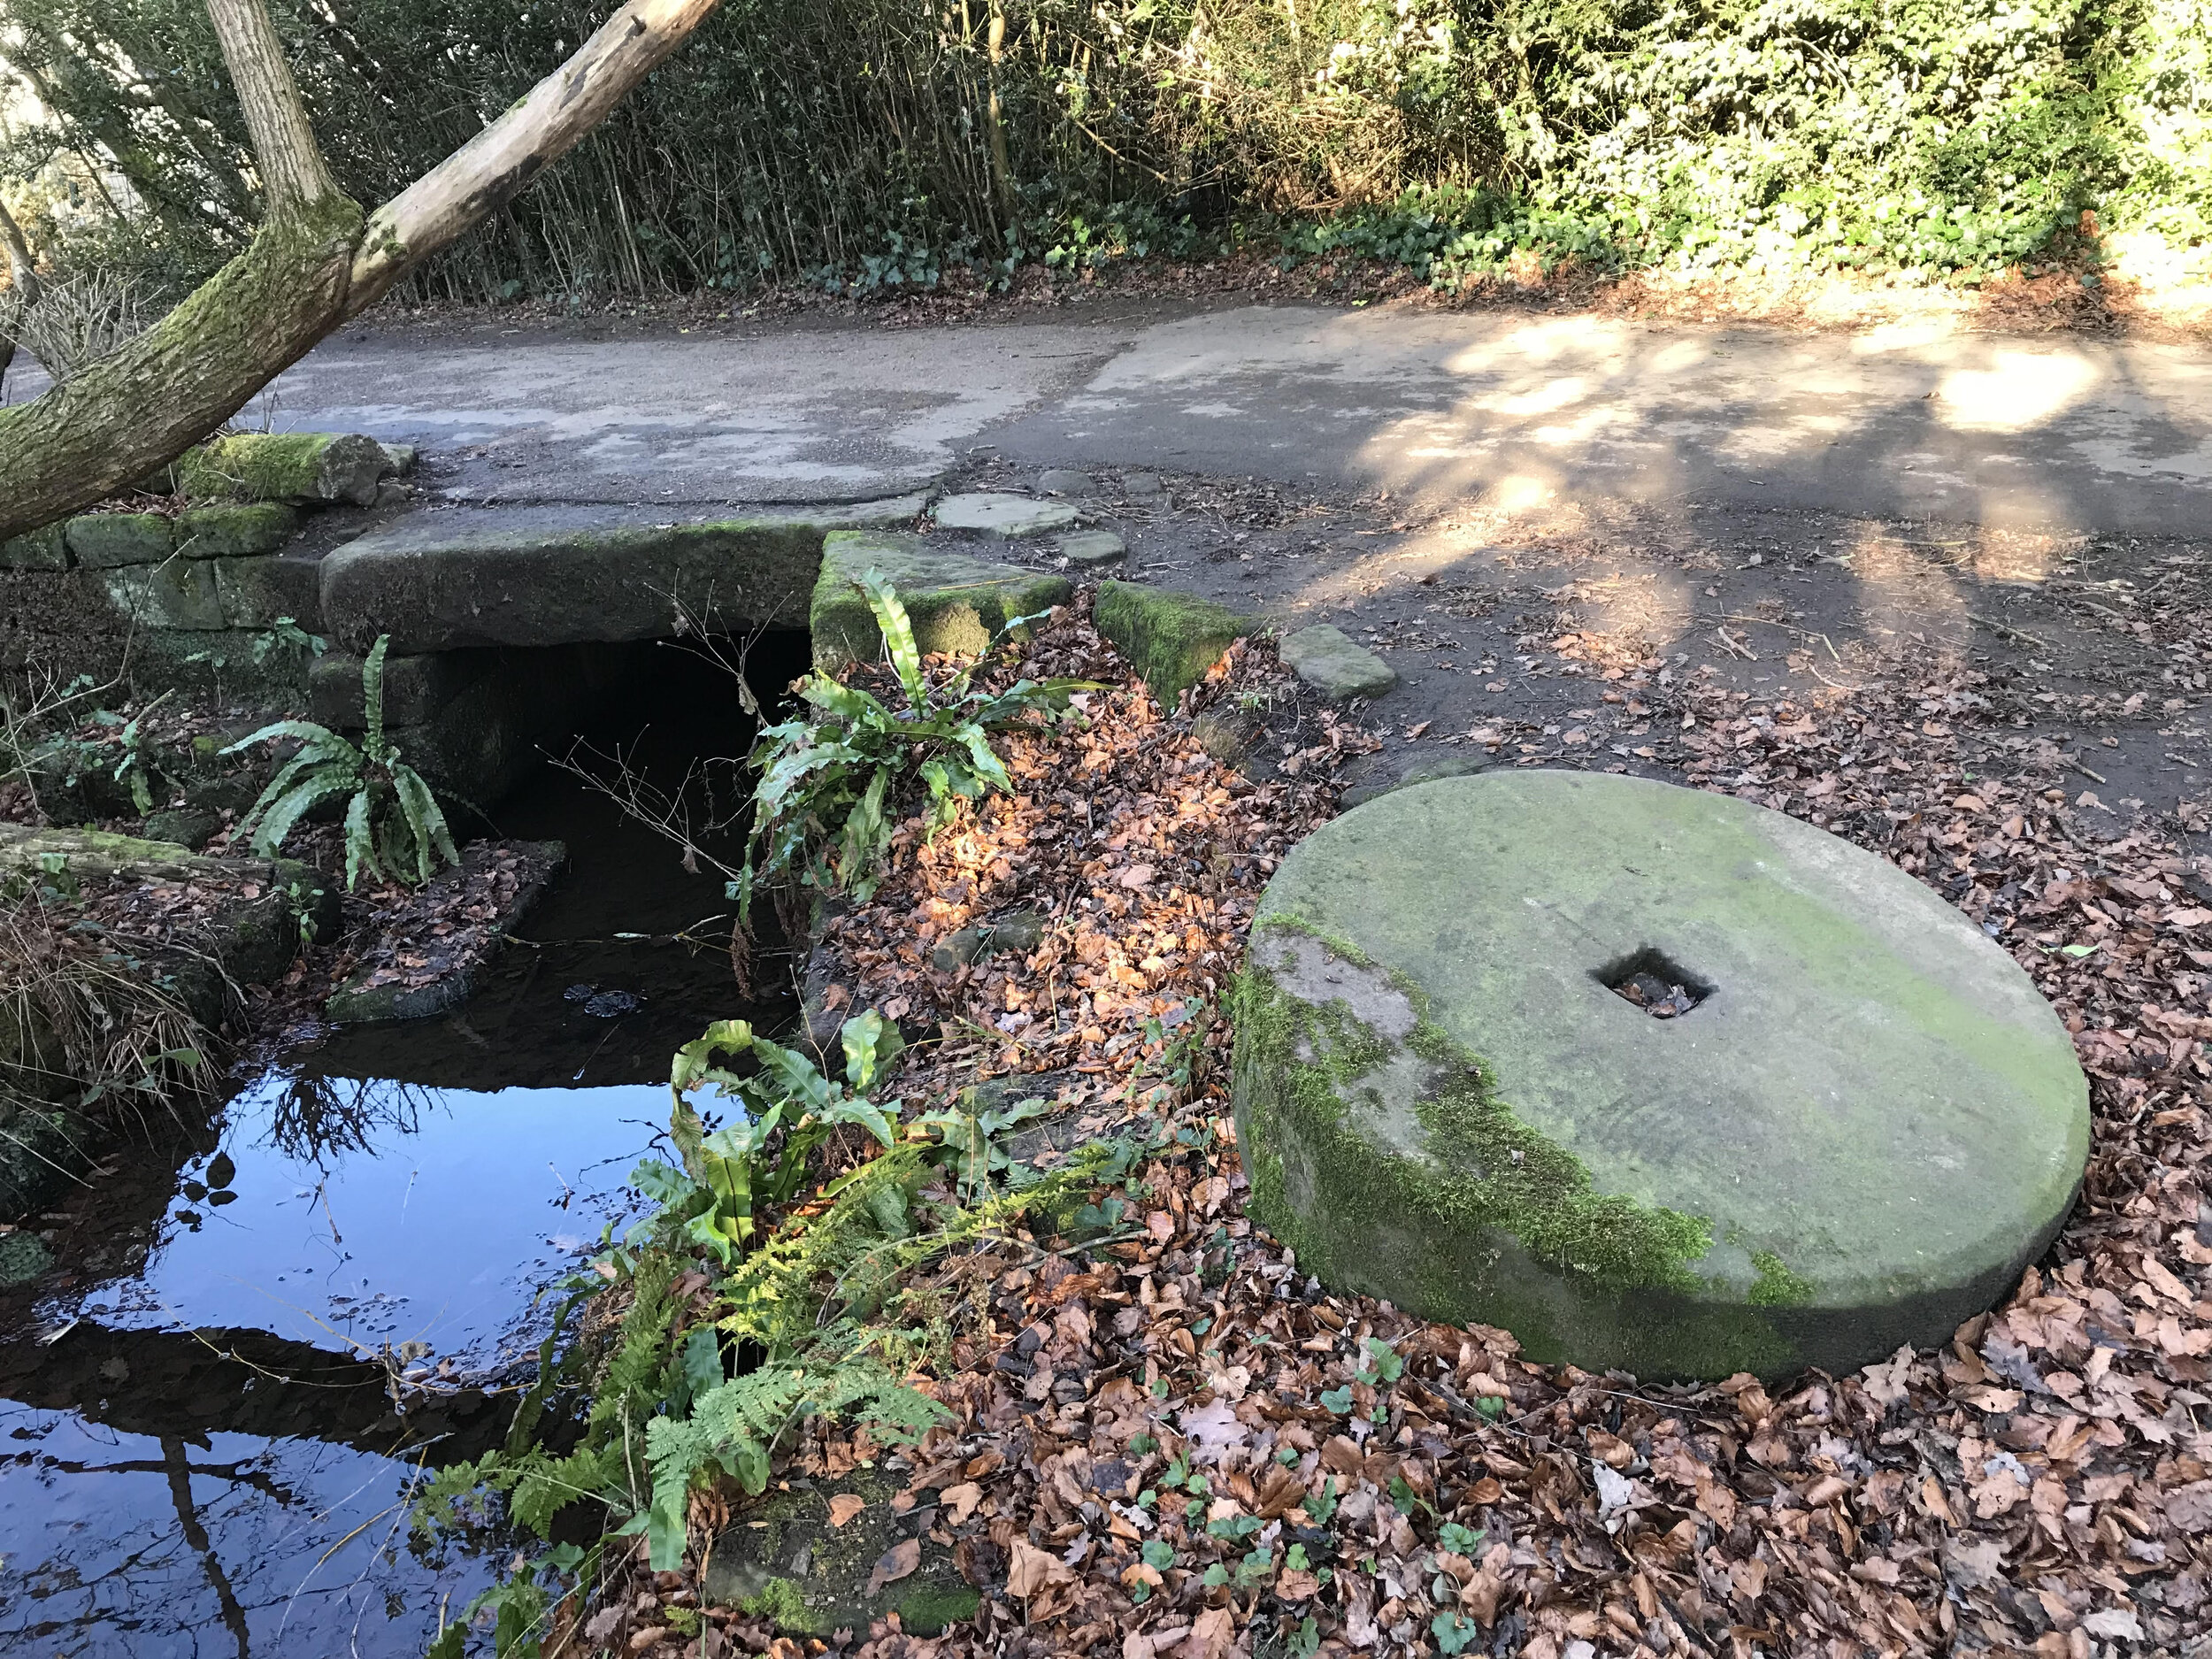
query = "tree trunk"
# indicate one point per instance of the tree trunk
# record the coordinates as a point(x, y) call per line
point(315, 262)
point(23, 282)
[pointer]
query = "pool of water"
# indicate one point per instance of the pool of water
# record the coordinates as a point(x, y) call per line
point(203, 1449)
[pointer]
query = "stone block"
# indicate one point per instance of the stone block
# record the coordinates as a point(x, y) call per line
point(1170, 639)
point(41, 549)
point(416, 688)
point(285, 466)
point(178, 594)
point(225, 662)
point(957, 603)
point(236, 529)
point(1854, 1128)
point(445, 581)
point(1327, 659)
point(1061, 480)
point(1007, 517)
point(1091, 549)
point(258, 593)
point(108, 541)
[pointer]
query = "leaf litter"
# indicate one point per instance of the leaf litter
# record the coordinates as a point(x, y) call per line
point(1169, 1441)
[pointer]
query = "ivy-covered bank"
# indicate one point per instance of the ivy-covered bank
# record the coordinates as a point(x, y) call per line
point(870, 146)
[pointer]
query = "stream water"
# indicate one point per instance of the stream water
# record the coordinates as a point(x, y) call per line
point(202, 1450)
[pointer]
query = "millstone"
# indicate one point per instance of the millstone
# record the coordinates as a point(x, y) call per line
point(1838, 1119)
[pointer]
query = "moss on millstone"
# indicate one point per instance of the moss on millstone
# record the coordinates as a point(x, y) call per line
point(1170, 639)
point(1777, 1286)
point(283, 466)
point(1389, 1163)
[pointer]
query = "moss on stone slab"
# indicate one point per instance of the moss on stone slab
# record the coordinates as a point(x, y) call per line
point(107, 541)
point(1170, 639)
point(781, 1559)
point(175, 594)
point(957, 603)
point(236, 529)
point(41, 549)
point(286, 466)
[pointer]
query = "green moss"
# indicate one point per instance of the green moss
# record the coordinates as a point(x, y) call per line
point(1170, 639)
point(1489, 1220)
point(1486, 1169)
point(1778, 1286)
point(781, 1602)
point(236, 529)
point(957, 605)
point(935, 1608)
point(280, 466)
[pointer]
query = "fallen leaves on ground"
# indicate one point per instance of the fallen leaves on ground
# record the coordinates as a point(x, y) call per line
point(1175, 1443)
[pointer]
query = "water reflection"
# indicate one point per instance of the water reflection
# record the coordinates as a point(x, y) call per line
point(216, 1452)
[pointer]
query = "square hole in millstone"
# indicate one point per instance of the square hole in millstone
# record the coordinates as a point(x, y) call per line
point(1655, 982)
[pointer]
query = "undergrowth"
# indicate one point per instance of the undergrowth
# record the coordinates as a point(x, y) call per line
point(762, 1289)
point(394, 826)
point(832, 782)
point(876, 149)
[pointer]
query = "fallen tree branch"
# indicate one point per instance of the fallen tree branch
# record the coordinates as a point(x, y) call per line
point(317, 261)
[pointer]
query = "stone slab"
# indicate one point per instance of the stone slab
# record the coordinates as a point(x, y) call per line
point(1170, 639)
point(1327, 659)
point(361, 1000)
point(955, 603)
point(107, 541)
point(175, 594)
point(1870, 1125)
point(782, 1560)
point(1091, 549)
point(447, 579)
point(1008, 517)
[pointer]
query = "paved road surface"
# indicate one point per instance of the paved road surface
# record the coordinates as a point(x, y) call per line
point(2056, 433)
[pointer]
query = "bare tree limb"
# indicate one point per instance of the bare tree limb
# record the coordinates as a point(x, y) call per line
point(23, 282)
point(499, 161)
point(315, 262)
point(293, 172)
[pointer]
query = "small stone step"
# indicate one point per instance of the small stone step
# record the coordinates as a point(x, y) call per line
point(1009, 517)
point(1091, 549)
point(1326, 659)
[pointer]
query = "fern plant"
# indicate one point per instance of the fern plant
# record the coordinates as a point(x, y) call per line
point(394, 828)
point(726, 1174)
point(825, 808)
